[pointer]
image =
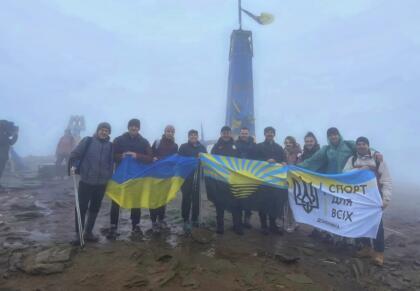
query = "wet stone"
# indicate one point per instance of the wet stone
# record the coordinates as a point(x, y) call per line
point(46, 262)
point(136, 281)
point(202, 236)
point(287, 259)
point(299, 278)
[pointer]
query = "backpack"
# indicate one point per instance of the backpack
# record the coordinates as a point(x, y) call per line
point(82, 158)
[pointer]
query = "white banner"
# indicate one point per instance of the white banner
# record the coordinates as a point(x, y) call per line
point(348, 205)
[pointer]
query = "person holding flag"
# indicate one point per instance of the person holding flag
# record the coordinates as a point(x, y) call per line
point(162, 148)
point(225, 146)
point(271, 152)
point(246, 149)
point(364, 159)
point(136, 146)
point(191, 187)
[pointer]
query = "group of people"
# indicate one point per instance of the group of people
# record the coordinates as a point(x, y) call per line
point(96, 157)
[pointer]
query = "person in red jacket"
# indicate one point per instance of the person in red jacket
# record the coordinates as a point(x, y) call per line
point(161, 149)
point(64, 148)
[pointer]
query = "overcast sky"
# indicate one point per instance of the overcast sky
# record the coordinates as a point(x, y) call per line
point(351, 64)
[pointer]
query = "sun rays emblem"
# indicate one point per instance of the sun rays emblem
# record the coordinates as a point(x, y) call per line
point(244, 176)
point(308, 198)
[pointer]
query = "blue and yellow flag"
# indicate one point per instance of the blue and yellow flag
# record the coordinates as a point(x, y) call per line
point(248, 184)
point(244, 176)
point(137, 185)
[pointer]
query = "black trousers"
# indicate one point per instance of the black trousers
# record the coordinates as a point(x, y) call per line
point(90, 198)
point(157, 214)
point(378, 243)
point(279, 199)
point(190, 203)
point(236, 215)
point(115, 214)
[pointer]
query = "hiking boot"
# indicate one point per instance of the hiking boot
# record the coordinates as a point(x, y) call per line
point(238, 230)
point(90, 237)
point(220, 229)
point(187, 227)
point(378, 259)
point(162, 224)
point(155, 227)
point(90, 223)
point(112, 232)
point(365, 252)
point(136, 230)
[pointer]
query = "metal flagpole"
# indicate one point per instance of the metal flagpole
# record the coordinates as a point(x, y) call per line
point(240, 13)
point(79, 218)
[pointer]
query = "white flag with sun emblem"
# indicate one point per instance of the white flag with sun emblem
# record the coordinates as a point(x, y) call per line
point(348, 205)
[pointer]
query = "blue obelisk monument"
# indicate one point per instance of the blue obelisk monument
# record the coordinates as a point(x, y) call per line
point(240, 93)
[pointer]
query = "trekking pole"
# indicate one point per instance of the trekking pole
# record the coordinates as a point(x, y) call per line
point(196, 187)
point(79, 218)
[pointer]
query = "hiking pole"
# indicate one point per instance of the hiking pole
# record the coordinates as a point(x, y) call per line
point(79, 218)
point(197, 188)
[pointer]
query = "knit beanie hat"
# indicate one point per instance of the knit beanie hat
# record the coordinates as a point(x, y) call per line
point(104, 125)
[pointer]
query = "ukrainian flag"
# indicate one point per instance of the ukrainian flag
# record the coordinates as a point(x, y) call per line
point(137, 185)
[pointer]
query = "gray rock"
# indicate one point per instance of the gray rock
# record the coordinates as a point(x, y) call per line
point(299, 278)
point(49, 261)
point(202, 236)
point(287, 259)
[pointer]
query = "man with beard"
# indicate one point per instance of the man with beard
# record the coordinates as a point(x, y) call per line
point(246, 150)
point(94, 161)
point(364, 160)
point(271, 152)
point(131, 144)
point(191, 187)
point(333, 156)
point(162, 148)
point(225, 146)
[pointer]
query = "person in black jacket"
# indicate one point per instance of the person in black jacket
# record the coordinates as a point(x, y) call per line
point(191, 187)
point(246, 148)
point(271, 152)
point(225, 146)
point(162, 148)
point(132, 144)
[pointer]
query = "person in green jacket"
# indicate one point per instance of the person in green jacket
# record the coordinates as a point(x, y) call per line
point(332, 158)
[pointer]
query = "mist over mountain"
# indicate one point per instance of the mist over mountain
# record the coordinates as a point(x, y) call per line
point(320, 64)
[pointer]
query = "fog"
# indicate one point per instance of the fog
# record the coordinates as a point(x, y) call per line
point(350, 64)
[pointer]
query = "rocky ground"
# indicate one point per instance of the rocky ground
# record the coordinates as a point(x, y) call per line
point(37, 224)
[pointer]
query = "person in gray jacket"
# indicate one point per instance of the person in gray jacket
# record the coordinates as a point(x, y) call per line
point(92, 159)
